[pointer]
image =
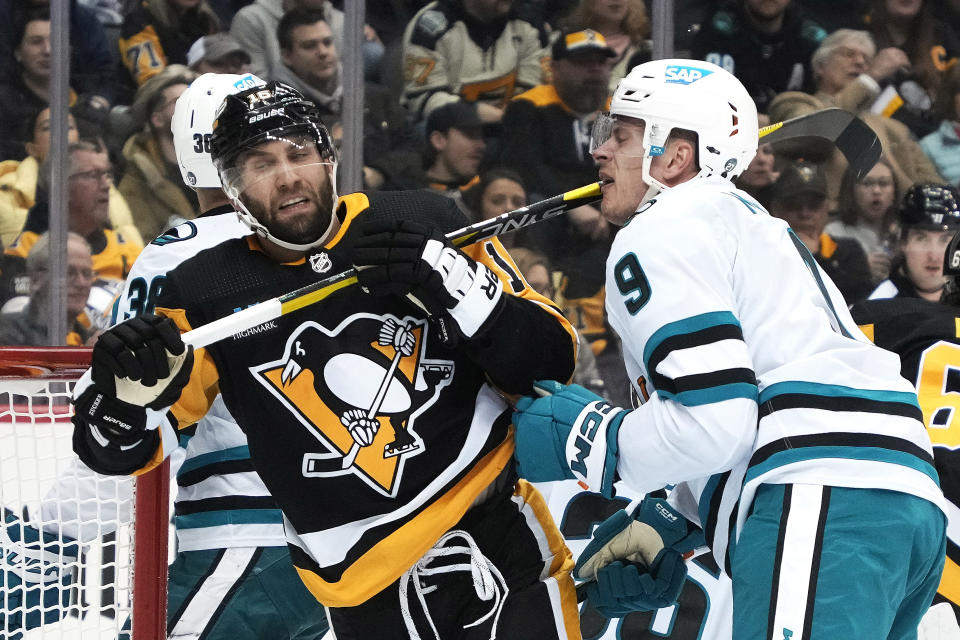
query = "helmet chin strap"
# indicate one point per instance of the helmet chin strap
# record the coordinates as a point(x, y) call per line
point(654, 186)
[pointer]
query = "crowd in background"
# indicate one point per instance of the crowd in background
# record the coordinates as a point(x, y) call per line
point(490, 102)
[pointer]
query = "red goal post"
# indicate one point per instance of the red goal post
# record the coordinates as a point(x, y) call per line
point(121, 571)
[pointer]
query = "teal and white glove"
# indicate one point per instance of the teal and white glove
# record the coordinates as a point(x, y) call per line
point(35, 576)
point(635, 561)
point(570, 433)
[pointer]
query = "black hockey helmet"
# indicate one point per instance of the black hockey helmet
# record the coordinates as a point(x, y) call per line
point(934, 207)
point(261, 114)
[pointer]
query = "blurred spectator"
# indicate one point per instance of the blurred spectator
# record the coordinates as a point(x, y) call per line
point(151, 182)
point(218, 53)
point(799, 197)
point(536, 270)
point(27, 91)
point(311, 64)
point(472, 50)
point(91, 58)
point(929, 216)
point(767, 44)
point(29, 326)
point(833, 15)
point(867, 212)
point(546, 130)
point(157, 33)
point(625, 26)
point(758, 178)
point(18, 184)
point(847, 69)
point(255, 28)
point(932, 46)
point(943, 145)
point(226, 9)
point(89, 181)
point(497, 191)
point(454, 149)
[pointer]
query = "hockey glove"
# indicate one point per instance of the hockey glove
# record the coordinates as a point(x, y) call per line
point(35, 576)
point(403, 258)
point(635, 561)
point(569, 433)
point(137, 365)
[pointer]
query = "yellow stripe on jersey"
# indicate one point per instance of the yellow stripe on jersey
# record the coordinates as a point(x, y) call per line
point(956, 323)
point(950, 582)
point(867, 331)
point(143, 54)
point(386, 561)
point(562, 565)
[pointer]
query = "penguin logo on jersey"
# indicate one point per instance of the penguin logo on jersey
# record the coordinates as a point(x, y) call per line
point(359, 389)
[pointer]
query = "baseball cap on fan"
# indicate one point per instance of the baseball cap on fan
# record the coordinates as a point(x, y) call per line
point(577, 43)
point(217, 50)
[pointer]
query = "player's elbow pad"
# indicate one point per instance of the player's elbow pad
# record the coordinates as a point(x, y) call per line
point(109, 459)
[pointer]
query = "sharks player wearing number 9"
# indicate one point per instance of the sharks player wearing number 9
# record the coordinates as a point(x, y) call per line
point(371, 417)
point(795, 444)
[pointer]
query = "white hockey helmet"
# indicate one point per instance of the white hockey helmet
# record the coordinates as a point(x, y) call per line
point(192, 124)
point(693, 95)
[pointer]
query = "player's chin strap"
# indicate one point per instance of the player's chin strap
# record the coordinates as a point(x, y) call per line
point(488, 582)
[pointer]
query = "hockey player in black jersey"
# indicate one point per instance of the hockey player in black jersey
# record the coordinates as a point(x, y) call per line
point(387, 447)
point(926, 336)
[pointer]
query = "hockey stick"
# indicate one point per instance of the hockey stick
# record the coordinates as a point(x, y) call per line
point(855, 140)
point(313, 293)
point(851, 135)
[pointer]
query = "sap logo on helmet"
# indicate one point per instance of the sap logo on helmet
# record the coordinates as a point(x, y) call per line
point(677, 74)
point(247, 82)
point(263, 116)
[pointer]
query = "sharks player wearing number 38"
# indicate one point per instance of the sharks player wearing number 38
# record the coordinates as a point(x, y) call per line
point(796, 447)
point(375, 426)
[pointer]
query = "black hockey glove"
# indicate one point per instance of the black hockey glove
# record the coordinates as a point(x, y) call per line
point(137, 365)
point(404, 258)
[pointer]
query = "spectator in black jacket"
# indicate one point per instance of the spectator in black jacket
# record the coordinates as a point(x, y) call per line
point(767, 44)
point(91, 62)
point(799, 196)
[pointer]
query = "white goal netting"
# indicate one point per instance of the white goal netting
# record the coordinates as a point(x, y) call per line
point(67, 543)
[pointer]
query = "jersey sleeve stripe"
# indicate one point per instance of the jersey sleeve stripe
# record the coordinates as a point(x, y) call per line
point(229, 517)
point(813, 395)
point(702, 388)
point(851, 446)
point(222, 503)
point(226, 467)
point(204, 459)
point(695, 331)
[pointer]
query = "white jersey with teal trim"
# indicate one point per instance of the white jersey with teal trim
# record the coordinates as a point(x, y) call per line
point(754, 369)
point(221, 501)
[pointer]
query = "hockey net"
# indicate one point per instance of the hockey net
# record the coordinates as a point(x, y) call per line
point(81, 555)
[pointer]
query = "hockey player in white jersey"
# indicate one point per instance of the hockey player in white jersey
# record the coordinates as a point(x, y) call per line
point(798, 448)
point(232, 577)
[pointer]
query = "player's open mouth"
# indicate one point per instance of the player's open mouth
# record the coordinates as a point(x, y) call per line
point(292, 203)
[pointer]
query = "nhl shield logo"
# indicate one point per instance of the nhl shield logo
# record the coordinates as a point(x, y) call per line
point(320, 262)
point(358, 389)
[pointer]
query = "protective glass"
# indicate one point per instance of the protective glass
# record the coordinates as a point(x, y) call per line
point(608, 126)
point(275, 157)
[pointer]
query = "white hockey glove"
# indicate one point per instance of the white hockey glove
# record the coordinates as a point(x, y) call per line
point(403, 258)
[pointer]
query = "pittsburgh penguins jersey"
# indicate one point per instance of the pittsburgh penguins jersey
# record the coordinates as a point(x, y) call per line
point(704, 610)
point(926, 336)
point(357, 518)
point(449, 56)
point(753, 368)
point(221, 501)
